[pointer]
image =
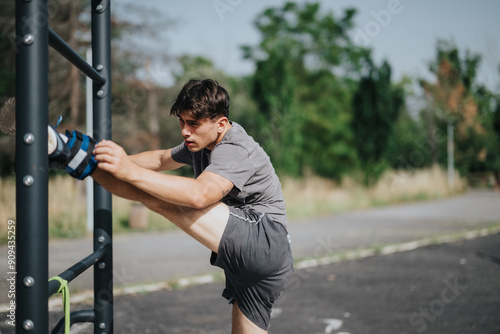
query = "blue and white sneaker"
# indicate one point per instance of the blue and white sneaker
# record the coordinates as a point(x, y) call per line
point(72, 152)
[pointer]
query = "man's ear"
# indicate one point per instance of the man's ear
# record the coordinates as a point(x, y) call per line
point(221, 124)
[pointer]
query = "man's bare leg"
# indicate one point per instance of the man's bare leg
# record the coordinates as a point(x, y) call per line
point(241, 324)
point(118, 187)
point(204, 225)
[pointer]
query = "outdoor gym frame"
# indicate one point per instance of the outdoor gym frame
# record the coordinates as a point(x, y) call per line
point(33, 37)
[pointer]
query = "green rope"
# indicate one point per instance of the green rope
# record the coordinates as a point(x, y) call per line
point(64, 289)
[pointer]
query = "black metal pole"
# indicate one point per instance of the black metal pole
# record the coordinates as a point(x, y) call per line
point(103, 271)
point(67, 52)
point(32, 166)
point(77, 269)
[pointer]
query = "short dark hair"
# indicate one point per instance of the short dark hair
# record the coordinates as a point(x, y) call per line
point(202, 99)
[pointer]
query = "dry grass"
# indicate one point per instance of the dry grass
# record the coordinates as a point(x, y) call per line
point(307, 197)
point(7, 205)
point(312, 196)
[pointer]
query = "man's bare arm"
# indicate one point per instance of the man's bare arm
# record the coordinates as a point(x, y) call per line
point(158, 160)
point(197, 193)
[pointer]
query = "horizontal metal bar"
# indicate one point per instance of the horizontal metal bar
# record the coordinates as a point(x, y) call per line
point(75, 317)
point(67, 52)
point(73, 272)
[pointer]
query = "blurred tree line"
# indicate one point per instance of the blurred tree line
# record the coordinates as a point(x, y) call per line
point(317, 102)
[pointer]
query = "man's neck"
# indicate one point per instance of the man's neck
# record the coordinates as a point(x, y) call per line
point(220, 136)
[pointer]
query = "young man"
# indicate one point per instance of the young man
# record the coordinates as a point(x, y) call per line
point(233, 206)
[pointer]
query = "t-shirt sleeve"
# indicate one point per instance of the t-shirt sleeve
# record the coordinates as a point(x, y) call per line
point(233, 163)
point(181, 154)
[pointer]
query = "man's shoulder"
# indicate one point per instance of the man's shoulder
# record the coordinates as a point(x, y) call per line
point(236, 130)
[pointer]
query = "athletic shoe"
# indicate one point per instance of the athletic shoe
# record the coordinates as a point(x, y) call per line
point(72, 153)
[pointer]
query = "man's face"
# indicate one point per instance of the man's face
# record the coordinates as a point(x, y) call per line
point(198, 133)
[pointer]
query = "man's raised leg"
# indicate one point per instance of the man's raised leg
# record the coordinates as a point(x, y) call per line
point(204, 225)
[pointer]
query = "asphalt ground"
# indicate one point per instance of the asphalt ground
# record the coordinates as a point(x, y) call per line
point(371, 294)
point(445, 288)
point(442, 288)
point(155, 257)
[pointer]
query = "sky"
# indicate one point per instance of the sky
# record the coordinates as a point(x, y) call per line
point(403, 32)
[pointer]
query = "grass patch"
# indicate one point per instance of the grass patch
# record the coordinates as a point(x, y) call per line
point(312, 196)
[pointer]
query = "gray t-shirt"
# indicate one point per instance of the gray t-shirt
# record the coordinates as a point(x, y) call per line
point(241, 160)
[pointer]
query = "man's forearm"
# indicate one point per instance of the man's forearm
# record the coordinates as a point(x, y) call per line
point(158, 160)
point(136, 179)
point(118, 187)
point(149, 160)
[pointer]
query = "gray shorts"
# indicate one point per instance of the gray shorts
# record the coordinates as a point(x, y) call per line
point(257, 260)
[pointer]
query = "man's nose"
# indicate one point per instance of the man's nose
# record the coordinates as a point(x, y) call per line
point(185, 131)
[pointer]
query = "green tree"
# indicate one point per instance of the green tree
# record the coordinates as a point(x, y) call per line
point(7, 80)
point(408, 147)
point(496, 128)
point(376, 105)
point(7, 56)
point(304, 68)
